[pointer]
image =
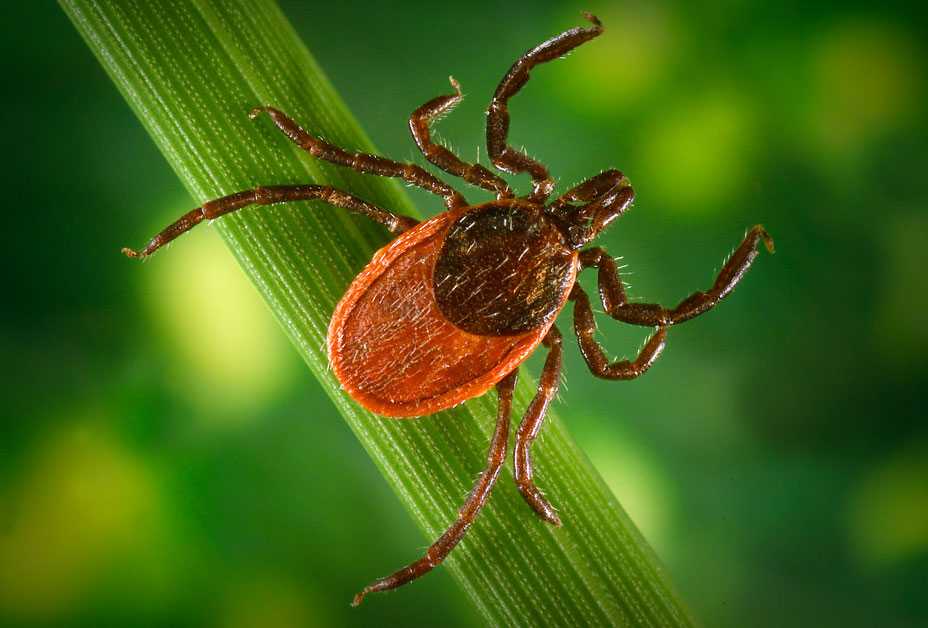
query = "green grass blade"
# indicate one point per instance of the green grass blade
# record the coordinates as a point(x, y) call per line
point(191, 71)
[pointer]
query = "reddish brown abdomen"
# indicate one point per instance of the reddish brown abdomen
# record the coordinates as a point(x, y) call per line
point(392, 349)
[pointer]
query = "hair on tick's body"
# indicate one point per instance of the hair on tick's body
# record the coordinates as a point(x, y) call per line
point(453, 305)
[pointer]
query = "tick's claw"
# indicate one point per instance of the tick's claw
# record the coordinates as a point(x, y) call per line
point(540, 504)
point(131, 253)
point(360, 597)
point(592, 18)
point(256, 111)
point(455, 85)
point(768, 241)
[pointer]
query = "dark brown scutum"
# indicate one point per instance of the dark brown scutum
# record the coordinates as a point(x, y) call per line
point(503, 269)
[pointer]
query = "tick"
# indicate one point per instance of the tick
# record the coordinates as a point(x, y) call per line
point(453, 305)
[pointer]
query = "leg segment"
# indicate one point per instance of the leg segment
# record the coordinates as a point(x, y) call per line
point(531, 425)
point(362, 162)
point(440, 549)
point(585, 327)
point(616, 303)
point(504, 156)
point(419, 123)
point(269, 196)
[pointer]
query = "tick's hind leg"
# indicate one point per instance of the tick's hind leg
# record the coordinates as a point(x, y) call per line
point(604, 197)
point(419, 123)
point(268, 196)
point(616, 303)
point(596, 360)
point(504, 156)
point(440, 549)
point(531, 425)
point(362, 162)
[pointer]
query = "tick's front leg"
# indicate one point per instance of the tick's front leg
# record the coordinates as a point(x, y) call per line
point(503, 155)
point(616, 303)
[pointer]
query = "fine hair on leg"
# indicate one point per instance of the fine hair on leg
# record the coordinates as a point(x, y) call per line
point(531, 426)
point(596, 360)
point(503, 155)
point(440, 549)
point(271, 195)
point(420, 125)
point(615, 301)
point(362, 162)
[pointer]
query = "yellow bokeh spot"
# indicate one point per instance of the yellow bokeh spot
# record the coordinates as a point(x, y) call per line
point(699, 155)
point(867, 79)
point(626, 62)
point(82, 502)
point(268, 602)
point(231, 356)
point(888, 516)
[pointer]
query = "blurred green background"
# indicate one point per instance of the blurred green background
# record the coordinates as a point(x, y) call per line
point(166, 459)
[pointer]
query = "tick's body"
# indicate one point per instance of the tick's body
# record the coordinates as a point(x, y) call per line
point(453, 305)
point(450, 307)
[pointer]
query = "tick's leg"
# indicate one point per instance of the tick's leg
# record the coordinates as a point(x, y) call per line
point(362, 162)
point(531, 425)
point(504, 156)
point(440, 549)
point(585, 327)
point(269, 196)
point(419, 123)
point(616, 303)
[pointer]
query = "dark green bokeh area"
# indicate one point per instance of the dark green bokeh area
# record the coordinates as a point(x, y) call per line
point(168, 460)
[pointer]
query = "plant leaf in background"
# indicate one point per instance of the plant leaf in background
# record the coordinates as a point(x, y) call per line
point(191, 71)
